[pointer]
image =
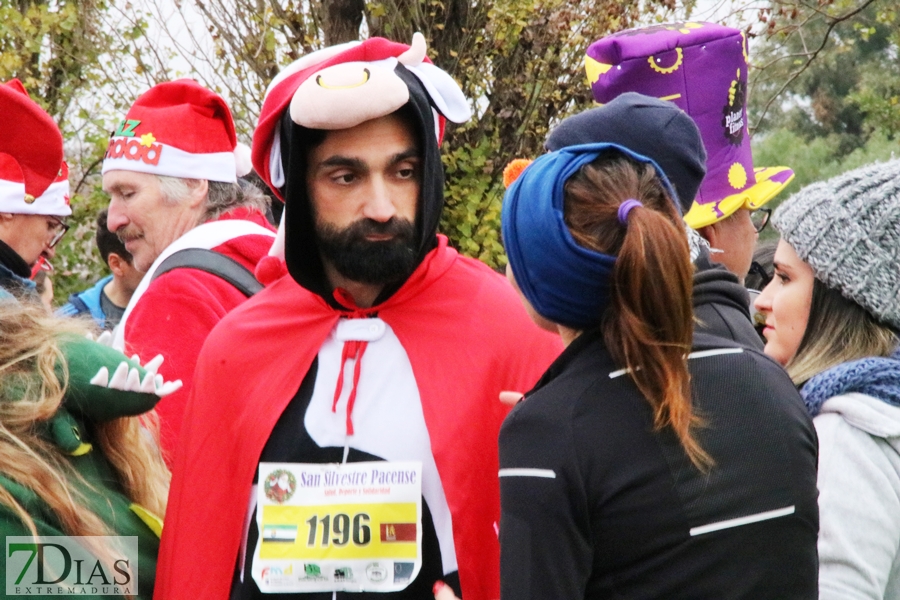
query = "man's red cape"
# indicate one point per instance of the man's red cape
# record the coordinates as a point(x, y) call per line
point(467, 338)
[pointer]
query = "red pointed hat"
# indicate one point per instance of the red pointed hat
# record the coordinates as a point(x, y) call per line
point(342, 86)
point(31, 152)
point(14, 198)
point(55, 200)
point(178, 129)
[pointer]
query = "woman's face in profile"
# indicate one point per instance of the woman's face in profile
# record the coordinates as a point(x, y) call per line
point(540, 321)
point(785, 302)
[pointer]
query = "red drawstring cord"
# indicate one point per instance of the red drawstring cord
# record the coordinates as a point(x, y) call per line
point(345, 354)
point(352, 349)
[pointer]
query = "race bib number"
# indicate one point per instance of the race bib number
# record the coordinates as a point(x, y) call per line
point(338, 527)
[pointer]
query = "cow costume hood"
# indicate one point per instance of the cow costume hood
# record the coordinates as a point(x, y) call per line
point(339, 88)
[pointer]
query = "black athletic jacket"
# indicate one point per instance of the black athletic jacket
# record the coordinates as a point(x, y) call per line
point(596, 504)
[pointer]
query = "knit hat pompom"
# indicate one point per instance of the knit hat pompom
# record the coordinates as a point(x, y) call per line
point(242, 161)
point(848, 230)
point(512, 171)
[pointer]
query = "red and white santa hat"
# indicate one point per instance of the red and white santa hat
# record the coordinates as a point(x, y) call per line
point(14, 197)
point(55, 201)
point(178, 129)
point(31, 152)
point(345, 85)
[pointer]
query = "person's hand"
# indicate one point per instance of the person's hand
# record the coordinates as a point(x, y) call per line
point(511, 398)
point(442, 591)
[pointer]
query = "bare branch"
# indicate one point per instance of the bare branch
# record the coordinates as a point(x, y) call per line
point(87, 173)
point(833, 22)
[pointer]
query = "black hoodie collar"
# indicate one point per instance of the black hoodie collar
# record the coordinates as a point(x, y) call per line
point(714, 284)
point(302, 256)
point(12, 261)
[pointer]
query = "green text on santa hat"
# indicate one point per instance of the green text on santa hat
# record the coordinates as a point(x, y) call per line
point(126, 128)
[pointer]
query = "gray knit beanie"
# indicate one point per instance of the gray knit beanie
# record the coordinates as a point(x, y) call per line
point(848, 230)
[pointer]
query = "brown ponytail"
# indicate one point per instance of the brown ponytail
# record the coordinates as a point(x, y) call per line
point(647, 326)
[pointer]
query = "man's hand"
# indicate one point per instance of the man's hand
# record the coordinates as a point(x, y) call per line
point(511, 398)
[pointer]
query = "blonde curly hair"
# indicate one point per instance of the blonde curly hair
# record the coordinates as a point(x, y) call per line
point(32, 376)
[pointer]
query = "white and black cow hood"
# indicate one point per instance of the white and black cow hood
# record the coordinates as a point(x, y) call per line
point(337, 88)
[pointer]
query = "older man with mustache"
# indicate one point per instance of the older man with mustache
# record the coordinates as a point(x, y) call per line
point(171, 170)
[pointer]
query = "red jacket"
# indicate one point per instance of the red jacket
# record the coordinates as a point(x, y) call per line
point(176, 313)
point(467, 338)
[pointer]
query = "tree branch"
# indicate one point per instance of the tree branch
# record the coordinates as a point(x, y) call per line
point(811, 57)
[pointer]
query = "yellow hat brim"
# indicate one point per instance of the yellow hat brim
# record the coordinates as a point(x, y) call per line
point(766, 189)
point(754, 197)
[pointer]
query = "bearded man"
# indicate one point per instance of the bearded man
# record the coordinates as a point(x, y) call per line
point(369, 368)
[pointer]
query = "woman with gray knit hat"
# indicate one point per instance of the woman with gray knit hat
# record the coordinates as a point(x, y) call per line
point(832, 319)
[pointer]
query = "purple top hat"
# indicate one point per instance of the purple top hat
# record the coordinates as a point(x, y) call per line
point(702, 68)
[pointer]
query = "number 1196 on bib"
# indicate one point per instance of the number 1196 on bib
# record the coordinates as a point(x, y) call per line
point(388, 530)
point(339, 525)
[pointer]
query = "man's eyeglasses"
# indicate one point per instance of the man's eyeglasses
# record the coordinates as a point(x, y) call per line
point(760, 218)
point(764, 276)
point(58, 227)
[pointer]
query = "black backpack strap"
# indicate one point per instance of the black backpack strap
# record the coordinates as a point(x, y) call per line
point(212, 262)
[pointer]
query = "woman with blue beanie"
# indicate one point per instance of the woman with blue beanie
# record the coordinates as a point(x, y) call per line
point(832, 319)
point(649, 461)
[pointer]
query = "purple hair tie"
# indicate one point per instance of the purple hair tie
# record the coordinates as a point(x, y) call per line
point(625, 208)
